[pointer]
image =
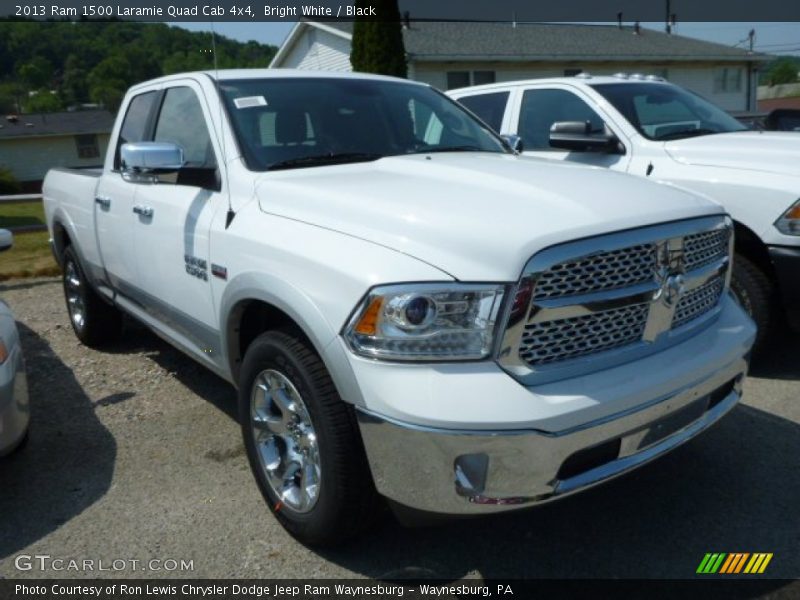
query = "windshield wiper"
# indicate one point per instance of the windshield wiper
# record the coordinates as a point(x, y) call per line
point(685, 133)
point(331, 158)
point(463, 148)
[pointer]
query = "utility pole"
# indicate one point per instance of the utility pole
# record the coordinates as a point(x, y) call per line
point(752, 38)
point(667, 20)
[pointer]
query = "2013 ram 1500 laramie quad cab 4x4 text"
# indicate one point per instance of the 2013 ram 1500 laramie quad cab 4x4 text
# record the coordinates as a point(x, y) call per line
point(407, 308)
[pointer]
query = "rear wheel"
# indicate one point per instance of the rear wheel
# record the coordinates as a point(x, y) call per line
point(754, 292)
point(94, 321)
point(302, 442)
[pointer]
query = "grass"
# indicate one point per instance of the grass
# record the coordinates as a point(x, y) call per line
point(16, 214)
point(29, 257)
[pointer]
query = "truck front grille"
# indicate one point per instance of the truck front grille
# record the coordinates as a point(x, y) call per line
point(616, 293)
point(563, 339)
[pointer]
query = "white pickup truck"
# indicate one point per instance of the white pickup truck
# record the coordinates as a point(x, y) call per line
point(645, 126)
point(407, 308)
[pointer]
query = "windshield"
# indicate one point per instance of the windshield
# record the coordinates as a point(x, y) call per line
point(302, 122)
point(667, 112)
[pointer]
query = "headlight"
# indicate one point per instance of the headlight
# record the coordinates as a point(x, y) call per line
point(789, 223)
point(447, 321)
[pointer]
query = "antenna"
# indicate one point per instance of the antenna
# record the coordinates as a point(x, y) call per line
point(229, 216)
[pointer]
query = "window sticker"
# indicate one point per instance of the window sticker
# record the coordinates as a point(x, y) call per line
point(250, 101)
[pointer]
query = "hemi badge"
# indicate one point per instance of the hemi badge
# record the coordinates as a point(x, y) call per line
point(218, 271)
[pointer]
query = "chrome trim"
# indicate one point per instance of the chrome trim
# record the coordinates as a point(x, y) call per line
point(475, 471)
point(670, 282)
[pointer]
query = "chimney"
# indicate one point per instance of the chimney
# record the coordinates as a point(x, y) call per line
point(637, 29)
point(406, 20)
point(619, 20)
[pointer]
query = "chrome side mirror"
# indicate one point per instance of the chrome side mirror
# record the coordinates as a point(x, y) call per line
point(514, 142)
point(6, 239)
point(151, 158)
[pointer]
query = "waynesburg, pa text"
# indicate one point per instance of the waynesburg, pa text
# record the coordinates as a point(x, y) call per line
point(208, 10)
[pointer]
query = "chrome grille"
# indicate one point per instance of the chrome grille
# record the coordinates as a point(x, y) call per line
point(598, 272)
point(698, 302)
point(704, 248)
point(563, 339)
point(621, 292)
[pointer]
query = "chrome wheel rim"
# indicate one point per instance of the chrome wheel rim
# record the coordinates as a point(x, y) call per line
point(285, 441)
point(75, 304)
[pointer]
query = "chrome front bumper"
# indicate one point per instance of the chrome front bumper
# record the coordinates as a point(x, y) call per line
point(472, 472)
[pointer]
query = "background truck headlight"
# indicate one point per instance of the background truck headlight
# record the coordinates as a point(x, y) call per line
point(789, 223)
point(448, 321)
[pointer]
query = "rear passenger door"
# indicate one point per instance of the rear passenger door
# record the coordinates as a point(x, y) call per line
point(539, 107)
point(114, 199)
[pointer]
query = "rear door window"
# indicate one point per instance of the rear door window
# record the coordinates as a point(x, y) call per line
point(489, 107)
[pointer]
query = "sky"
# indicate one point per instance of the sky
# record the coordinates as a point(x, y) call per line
point(773, 38)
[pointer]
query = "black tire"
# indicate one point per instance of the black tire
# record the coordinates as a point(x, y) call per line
point(346, 499)
point(755, 293)
point(94, 321)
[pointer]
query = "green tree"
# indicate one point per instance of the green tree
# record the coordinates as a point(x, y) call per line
point(783, 71)
point(377, 45)
point(43, 101)
point(108, 81)
point(37, 73)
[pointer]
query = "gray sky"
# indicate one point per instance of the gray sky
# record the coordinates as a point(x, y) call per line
point(774, 38)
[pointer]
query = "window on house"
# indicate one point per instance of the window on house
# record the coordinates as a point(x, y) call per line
point(87, 146)
point(460, 79)
point(728, 79)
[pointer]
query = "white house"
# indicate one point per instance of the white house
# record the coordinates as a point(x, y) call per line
point(32, 144)
point(451, 54)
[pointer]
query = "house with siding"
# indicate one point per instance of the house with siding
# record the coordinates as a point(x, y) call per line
point(32, 144)
point(450, 55)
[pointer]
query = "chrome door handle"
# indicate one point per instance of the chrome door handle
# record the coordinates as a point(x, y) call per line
point(145, 211)
point(103, 201)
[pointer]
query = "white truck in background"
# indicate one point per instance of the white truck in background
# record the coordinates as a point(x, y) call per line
point(407, 308)
point(648, 127)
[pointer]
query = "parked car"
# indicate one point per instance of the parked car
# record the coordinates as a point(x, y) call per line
point(648, 127)
point(779, 119)
point(407, 308)
point(14, 408)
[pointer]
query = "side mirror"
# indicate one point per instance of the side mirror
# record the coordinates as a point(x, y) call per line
point(514, 142)
point(6, 239)
point(153, 158)
point(577, 136)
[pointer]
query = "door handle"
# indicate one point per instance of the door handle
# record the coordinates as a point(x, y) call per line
point(103, 201)
point(145, 211)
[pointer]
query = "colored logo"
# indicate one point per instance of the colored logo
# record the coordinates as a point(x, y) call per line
point(737, 562)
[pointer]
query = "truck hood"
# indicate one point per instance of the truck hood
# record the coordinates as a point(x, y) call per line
point(476, 216)
point(764, 151)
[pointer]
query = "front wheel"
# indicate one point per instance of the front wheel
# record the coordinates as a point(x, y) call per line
point(302, 442)
point(94, 321)
point(754, 291)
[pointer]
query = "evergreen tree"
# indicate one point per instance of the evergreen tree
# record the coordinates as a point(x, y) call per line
point(377, 45)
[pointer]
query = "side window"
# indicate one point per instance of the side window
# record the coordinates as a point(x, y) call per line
point(489, 107)
point(541, 108)
point(134, 127)
point(181, 121)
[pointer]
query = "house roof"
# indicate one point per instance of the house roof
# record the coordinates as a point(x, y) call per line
point(56, 124)
point(445, 40)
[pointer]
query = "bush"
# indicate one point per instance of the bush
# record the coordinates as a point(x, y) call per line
point(8, 183)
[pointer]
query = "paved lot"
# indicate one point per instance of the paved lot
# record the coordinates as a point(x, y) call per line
point(135, 453)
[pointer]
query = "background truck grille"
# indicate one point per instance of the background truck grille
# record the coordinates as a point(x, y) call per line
point(698, 302)
point(562, 339)
point(603, 271)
